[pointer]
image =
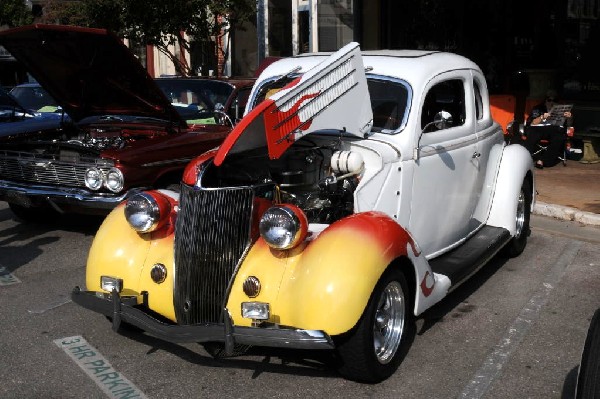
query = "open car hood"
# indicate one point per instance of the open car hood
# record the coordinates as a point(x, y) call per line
point(89, 72)
point(332, 96)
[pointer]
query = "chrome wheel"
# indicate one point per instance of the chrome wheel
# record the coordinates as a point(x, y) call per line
point(388, 324)
point(520, 218)
point(519, 240)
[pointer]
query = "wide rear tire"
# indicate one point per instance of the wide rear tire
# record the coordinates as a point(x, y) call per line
point(588, 380)
point(518, 243)
point(374, 348)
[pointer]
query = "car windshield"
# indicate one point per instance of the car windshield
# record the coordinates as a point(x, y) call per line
point(6, 101)
point(196, 99)
point(389, 100)
point(10, 110)
point(34, 98)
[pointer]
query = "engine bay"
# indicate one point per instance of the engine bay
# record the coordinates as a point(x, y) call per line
point(87, 140)
point(316, 175)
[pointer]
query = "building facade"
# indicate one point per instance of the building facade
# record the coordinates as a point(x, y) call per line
point(553, 42)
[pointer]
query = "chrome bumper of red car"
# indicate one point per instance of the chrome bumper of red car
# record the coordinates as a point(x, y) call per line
point(123, 309)
point(28, 195)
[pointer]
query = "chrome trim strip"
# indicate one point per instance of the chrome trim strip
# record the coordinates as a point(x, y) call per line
point(429, 150)
point(168, 162)
point(65, 195)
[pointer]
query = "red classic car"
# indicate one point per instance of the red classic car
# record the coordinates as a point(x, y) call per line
point(126, 133)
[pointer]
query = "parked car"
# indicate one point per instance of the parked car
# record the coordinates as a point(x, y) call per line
point(125, 135)
point(16, 118)
point(34, 97)
point(357, 192)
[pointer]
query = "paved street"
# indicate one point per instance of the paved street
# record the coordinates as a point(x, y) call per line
point(515, 330)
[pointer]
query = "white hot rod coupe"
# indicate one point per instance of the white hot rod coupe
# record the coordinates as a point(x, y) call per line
point(357, 192)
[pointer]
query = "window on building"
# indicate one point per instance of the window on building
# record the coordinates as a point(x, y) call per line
point(139, 50)
point(336, 24)
point(203, 57)
point(280, 28)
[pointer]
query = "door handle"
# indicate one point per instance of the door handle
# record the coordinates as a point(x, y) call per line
point(476, 154)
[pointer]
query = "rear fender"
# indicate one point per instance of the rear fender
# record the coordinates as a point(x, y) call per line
point(515, 166)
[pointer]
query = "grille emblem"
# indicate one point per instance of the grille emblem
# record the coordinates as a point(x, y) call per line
point(251, 287)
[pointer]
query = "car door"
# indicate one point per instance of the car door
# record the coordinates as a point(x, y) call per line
point(443, 196)
point(490, 143)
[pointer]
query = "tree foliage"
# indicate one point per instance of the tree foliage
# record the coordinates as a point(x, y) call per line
point(14, 13)
point(63, 12)
point(170, 25)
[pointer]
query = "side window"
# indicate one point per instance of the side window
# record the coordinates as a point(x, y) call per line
point(445, 98)
point(478, 101)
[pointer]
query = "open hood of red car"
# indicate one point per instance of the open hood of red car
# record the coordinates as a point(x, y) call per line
point(89, 72)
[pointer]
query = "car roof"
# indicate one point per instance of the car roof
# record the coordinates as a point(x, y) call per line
point(411, 65)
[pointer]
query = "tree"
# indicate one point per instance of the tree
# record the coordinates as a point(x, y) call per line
point(169, 25)
point(63, 12)
point(14, 13)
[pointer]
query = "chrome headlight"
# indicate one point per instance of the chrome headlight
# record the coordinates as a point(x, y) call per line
point(142, 212)
point(283, 226)
point(93, 178)
point(114, 180)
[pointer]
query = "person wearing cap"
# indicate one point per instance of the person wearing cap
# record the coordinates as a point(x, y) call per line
point(537, 129)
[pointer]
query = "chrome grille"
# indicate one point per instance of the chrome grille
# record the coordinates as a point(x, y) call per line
point(47, 169)
point(211, 234)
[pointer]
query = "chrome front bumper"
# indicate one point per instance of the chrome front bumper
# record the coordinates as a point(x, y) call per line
point(28, 195)
point(124, 309)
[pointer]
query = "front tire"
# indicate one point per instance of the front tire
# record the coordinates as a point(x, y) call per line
point(373, 349)
point(518, 243)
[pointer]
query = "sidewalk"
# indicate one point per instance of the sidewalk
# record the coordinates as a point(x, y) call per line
point(569, 192)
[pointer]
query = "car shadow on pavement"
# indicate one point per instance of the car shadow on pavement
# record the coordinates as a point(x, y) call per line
point(22, 242)
point(456, 303)
point(274, 360)
point(85, 224)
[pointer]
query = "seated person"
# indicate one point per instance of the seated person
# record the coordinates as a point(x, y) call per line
point(536, 129)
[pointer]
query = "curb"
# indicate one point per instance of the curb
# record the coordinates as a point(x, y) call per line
point(566, 213)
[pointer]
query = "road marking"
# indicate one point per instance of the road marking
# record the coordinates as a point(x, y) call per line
point(7, 278)
point(113, 383)
point(52, 305)
point(492, 366)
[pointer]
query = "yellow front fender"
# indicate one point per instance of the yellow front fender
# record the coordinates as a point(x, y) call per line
point(324, 284)
point(119, 251)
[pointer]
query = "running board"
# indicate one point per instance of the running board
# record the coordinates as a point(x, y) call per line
point(462, 262)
